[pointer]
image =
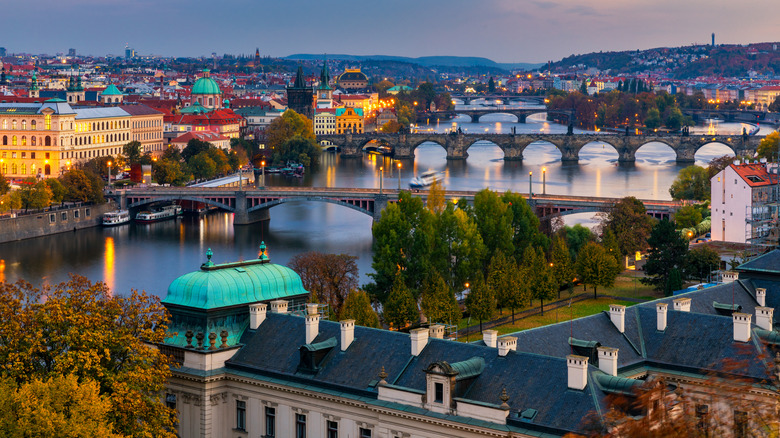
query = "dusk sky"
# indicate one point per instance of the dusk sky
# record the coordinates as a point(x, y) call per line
point(502, 30)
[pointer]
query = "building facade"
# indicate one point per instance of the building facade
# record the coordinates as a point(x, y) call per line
point(300, 97)
point(146, 128)
point(325, 121)
point(353, 79)
point(349, 120)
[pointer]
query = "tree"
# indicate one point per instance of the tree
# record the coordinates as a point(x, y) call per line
point(400, 309)
point(493, 222)
point(584, 87)
point(81, 328)
point(298, 149)
point(523, 223)
point(667, 252)
point(357, 306)
point(391, 127)
point(775, 105)
point(610, 244)
point(692, 183)
point(35, 194)
point(629, 221)
point(687, 216)
point(499, 278)
point(458, 250)
point(82, 186)
point(491, 85)
point(595, 267)
point(5, 186)
point(562, 266)
point(767, 147)
point(194, 147)
point(576, 237)
point(221, 161)
point(169, 171)
point(47, 408)
point(330, 278)
point(132, 151)
point(717, 164)
point(438, 301)
point(202, 166)
point(10, 201)
point(653, 118)
point(286, 127)
point(58, 191)
point(435, 201)
point(544, 287)
point(700, 262)
point(675, 120)
point(426, 94)
point(480, 302)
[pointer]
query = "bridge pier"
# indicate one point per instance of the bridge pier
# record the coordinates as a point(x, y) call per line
point(244, 217)
point(626, 156)
point(380, 203)
point(475, 118)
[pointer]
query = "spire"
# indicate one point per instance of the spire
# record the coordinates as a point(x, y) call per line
point(78, 84)
point(3, 80)
point(34, 81)
point(299, 82)
point(325, 74)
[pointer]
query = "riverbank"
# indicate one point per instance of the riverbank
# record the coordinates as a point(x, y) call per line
point(52, 221)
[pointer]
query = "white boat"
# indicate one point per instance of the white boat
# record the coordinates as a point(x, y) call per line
point(118, 217)
point(426, 179)
point(160, 214)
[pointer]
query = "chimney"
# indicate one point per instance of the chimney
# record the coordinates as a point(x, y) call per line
point(660, 312)
point(608, 360)
point(490, 337)
point(682, 304)
point(761, 296)
point(578, 371)
point(764, 317)
point(256, 315)
point(419, 340)
point(436, 331)
point(347, 333)
point(279, 306)
point(741, 326)
point(730, 276)
point(506, 344)
point(617, 314)
point(312, 322)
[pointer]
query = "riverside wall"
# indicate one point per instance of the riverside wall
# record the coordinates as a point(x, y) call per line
point(46, 222)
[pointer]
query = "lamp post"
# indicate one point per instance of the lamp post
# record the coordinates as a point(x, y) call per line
point(109, 174)
point(544, 180)
point(399, 175)
point(530, 185)
point(381, 177)
point(262, 174)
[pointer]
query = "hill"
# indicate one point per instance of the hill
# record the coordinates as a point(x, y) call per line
point(426, 61)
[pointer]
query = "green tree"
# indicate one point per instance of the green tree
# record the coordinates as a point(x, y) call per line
point(286, 127)
point(391, 127)
point(438, 301)
point(653, 118)
point(775, 105)
point(298, 149)
point(5, 186)
point(357, 306)
point(692, 183)
point(425, 94)
point(400, 309)
point(58, 191)
point(132, 151)
point(221, 161)
point(687, 216)
point(169, 171)
point(82, 328)
point(629, 221)
point(458, 250)
point(523, 223)
point(493, 222)
point(610, 244)
point(562, 265)
point(767, 147)
point(499, 279)
point(576, 237)
point(202, 166)
point(544, 287)
point(594, 266)
point(668, 250)
point(480, 302)
point(700, 262)
point(57, 406)
point(82, 186)
point(194, 147)
point(35, 194)
point(491, 85)
point(675, 120)
point(10, 201)
point(584, 87)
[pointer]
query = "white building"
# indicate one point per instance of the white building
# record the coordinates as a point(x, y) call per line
point(744, 197)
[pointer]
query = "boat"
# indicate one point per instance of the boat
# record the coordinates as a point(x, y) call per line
point(426, 179)
point(158, 214)
point(117, 217)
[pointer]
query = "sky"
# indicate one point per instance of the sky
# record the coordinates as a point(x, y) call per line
point(502, 30)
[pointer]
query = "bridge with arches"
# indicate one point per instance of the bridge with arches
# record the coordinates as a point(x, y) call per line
point(457, 144)
point(252, 205)
point(521, 113)
point(504, 98)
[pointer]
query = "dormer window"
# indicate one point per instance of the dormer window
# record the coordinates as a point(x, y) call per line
point(439, 392)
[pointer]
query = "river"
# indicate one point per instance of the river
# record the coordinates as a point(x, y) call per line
point(149, 257)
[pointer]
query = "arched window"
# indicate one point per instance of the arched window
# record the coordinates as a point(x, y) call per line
point(34, 143)
point(13, 124)
point(24, 125)
point(47, 122)
point(13, 168)
point(5, 169)
point(5, 124)
point(5, 140)
point(13, 141)
point(33, 125)
point(24, 169)
point(47, 170)
point(24, 140)
point(48, 141)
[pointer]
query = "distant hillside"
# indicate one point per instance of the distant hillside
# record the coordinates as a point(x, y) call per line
point(682, 62)
point(427, 61)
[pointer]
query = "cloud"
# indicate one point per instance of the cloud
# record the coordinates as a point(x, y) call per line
point(584, 11)
point(544, 4)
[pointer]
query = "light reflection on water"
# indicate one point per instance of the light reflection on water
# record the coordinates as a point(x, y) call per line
point(150, 256)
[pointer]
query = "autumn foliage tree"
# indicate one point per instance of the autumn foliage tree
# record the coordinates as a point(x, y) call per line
point(330, 278)
point(78, 328)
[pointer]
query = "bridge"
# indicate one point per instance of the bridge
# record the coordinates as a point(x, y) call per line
point(457, 144)
point(252, 205)
point(468, 98)
point(475, 114)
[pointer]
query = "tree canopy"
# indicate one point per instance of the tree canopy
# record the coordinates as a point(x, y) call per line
point(357, 306)
point(629, 221)
point(666, 257)
point(596, 267)
point(330, 278)
point(692, 183)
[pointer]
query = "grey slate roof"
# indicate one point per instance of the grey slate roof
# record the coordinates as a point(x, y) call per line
point(99, 113)
point(769, 262)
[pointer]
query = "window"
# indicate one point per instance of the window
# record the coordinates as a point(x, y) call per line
point(75, 212)
point(300, 426)
point(47, 122)
point(740, 424)
point(24, 125)
point(702, 420)
point(270, 422)
point(364, 433)
point(24, 155)
point(64, 215)
point(32, 154)
point(48, 155)
point(438, 392)
point(13, 126)
point(87, 212)
point(52, 218)
point(333, 429)
point(170, 400)
point(13, 141)
point(240, 415)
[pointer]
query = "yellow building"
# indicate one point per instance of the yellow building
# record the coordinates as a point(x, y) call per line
point(349, 120)
point(46, 139)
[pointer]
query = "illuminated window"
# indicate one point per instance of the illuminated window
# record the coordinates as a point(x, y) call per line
point(24, 140)
point(5, 124)
point(33, 140)
point(24, 169)
point(13, 124)
point(13, 168)
point(24, 125)
point(47, 122)
point(5, 168)
point(13, 141)
point(33, 125)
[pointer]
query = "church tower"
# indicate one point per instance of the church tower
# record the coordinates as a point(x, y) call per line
point(324, 91)
point(300, 97)
point(34, 91)
point(75, 92)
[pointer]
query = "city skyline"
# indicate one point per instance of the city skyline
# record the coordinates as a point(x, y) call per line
point(503, 30)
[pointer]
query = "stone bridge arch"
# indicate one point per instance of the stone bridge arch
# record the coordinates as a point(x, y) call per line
point(367, 206)
point(212, 202)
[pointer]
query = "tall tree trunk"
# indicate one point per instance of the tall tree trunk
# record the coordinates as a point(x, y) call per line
point(513, 315)
point(480, 325)
point(594, 291)
point(541, 304)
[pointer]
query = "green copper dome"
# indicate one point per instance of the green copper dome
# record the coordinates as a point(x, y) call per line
point(234, 284)
point(111, 90)
point(205, 85)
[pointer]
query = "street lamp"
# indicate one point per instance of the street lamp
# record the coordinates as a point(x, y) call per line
point(399, 175)
point(109, 174)
point(544, 180)
point(381, 177)
point(530, 185)
point(262, 173)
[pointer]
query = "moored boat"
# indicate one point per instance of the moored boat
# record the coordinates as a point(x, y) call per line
point(117, 217)
point(426, 179)
point(159, 214)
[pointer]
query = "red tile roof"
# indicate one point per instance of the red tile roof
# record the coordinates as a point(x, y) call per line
point(755, 175)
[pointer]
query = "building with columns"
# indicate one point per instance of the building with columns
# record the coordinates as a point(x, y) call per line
point(253, 364)
point(206, 92)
